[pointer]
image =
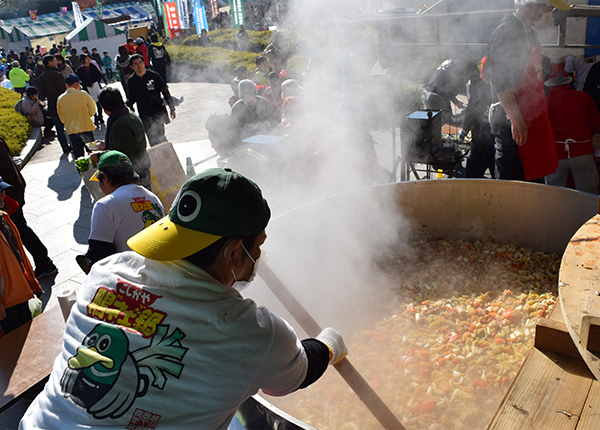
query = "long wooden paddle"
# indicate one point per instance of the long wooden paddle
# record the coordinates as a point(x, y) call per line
point(363, 390)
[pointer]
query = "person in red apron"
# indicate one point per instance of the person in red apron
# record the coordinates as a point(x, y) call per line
point(575, 120)
point(524, 144)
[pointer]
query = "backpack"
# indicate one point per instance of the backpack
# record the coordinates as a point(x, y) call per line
point(19, 108)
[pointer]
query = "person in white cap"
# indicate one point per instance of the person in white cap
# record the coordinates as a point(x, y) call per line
point(575, 120)
point(524, 145)
point(160, 337)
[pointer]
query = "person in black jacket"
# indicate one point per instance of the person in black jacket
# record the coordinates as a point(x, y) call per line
point(145, 88)
point(74, 59)
point(159, 57)
point(125, 133)
point(51, 84)
point(90, 76)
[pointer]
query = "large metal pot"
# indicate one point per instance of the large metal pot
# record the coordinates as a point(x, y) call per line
point(323, 250)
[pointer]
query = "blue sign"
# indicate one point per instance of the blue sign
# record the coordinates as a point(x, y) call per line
point(200, 18)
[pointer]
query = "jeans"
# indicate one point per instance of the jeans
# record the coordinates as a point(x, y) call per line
point(78, 141)
point(60, 133)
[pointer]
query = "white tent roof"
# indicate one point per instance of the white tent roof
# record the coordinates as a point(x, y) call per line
point(92, 29)
point(18, 29)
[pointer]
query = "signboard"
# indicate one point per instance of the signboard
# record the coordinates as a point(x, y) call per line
point(237, 13)
point(200, 18)
point(214, 8)
point(184, 17)
point(172, 19)
point(77, 14)
point(99, 7)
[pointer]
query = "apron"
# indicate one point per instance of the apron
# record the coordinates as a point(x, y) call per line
point(538, 154)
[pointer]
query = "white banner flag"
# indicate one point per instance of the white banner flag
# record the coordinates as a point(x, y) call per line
point(77, 14)
point(184, 17)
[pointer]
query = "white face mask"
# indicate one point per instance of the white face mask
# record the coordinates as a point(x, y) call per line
point(242, 285)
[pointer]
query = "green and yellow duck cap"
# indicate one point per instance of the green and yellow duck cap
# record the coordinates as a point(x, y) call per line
point(213, 204)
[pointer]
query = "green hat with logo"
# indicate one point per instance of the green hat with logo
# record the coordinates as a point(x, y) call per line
point(111, 159)
point(213, 204)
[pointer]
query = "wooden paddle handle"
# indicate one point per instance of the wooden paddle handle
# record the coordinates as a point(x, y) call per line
point(363, 390)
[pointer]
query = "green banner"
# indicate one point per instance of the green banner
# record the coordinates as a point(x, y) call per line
point(237, 13)
point(99, 7)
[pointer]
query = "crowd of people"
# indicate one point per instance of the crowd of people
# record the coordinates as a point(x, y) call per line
point(66, 94)
point(43, 78)
point(270, 99)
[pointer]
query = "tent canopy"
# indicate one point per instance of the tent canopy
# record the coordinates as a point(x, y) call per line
point(92, 29)
point(18, 29)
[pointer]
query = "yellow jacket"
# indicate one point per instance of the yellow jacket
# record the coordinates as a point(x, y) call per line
point(76, 109)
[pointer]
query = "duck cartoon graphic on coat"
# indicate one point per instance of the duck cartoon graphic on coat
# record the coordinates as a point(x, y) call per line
point(104, 376)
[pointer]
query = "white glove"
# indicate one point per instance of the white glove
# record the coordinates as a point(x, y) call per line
point(334, 341)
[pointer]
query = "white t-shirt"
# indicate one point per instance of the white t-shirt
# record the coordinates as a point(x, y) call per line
point(163, 345)
point(124, 213)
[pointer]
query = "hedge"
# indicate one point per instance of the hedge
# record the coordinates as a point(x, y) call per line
point(14, 127)
point(226, 39)
point(211, 64)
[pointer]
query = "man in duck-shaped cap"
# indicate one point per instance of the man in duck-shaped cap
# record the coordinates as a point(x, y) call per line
point(160, 337)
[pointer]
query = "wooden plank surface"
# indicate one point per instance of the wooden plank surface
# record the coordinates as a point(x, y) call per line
point(552, 335)
point(590, 417)
point(27, 354)
point(166, 172)
point(579, 282)
point(549, 392)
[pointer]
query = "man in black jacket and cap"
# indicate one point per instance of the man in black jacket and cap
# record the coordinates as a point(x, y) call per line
point(147, 89)
point(51, 84)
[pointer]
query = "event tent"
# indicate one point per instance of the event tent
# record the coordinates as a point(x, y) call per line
point(15, 33)
point(94, 33)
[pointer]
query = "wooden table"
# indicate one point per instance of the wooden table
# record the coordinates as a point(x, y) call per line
point(27, 354)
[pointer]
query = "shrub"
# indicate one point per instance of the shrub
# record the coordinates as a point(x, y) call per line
point(215, 64)
point(14, 127)
point(226, 39)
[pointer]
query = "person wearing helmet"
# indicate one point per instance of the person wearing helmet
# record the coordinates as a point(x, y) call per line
point(162, 333)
